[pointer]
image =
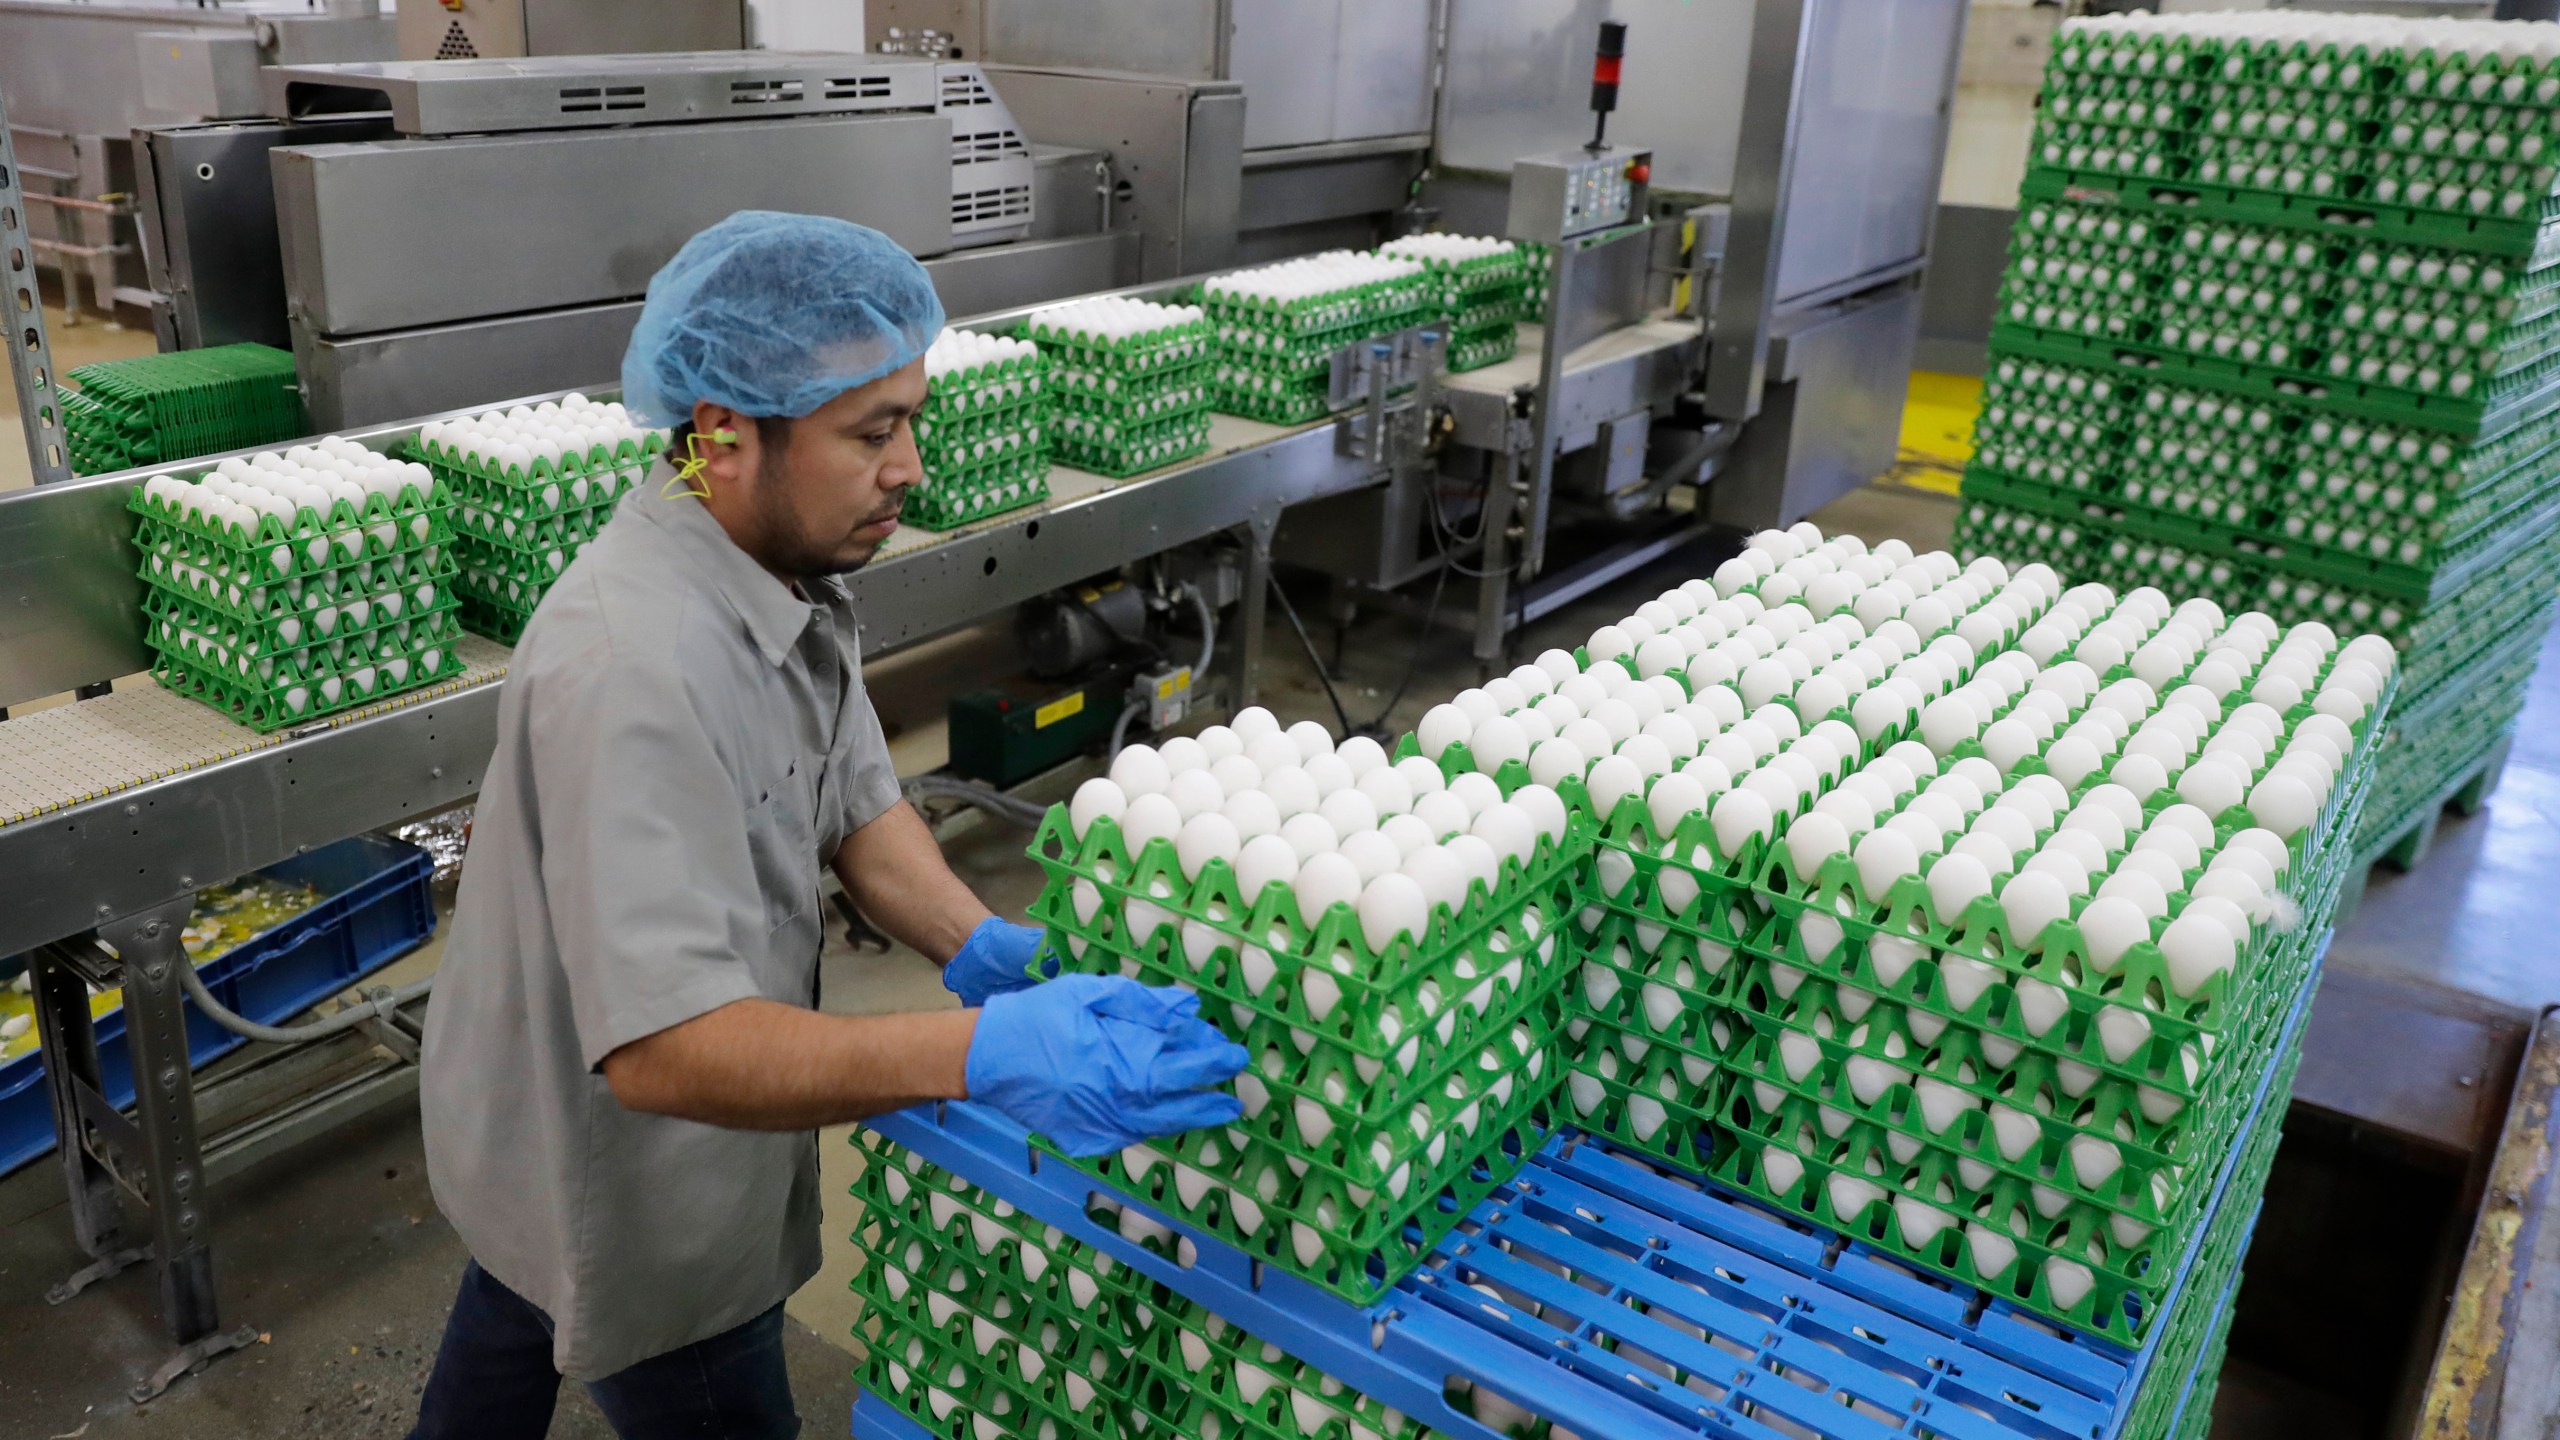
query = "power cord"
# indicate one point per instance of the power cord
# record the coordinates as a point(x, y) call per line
point(1309, 646)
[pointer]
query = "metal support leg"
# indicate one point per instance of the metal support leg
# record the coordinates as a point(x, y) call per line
point(165, 1108)
point(22, 323)
point(1493, 589)
point(70, 1047)
point(1254, 609)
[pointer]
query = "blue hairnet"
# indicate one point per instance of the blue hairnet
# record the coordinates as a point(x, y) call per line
point(775, 315)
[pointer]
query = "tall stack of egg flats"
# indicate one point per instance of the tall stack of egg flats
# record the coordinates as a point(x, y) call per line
point(984, 432)
point(531, 486)
point(1279, 326)
point(2282, 321)
point(1130, 381)
point(1960, 912)
point(286, 587)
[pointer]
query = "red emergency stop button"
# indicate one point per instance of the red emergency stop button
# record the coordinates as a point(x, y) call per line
point(1640, 172)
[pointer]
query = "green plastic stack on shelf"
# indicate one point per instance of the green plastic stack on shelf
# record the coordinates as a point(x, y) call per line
point(1279, 326)
point(283, 588)
point(1130, 381)
point(984, 432)
point(1384, 942)
point(530, 487)
point(1481, 287)
point(158, 409)
point(2282, 323)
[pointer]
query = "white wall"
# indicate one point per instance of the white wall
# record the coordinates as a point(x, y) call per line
point(2005, 46)
point(807, 24)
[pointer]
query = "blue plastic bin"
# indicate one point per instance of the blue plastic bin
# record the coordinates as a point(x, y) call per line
point(376, 906)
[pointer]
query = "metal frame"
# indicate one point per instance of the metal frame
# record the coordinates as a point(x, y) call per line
point(22, 323)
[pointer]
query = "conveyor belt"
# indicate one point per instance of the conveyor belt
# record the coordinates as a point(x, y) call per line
point(71, 754)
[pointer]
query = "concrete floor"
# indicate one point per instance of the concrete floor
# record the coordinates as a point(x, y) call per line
point(338, 1255)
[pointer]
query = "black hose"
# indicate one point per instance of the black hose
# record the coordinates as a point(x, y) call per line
point(1340, 714)
point(1120, 727)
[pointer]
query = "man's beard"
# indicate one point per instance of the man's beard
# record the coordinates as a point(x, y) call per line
point(796, 553)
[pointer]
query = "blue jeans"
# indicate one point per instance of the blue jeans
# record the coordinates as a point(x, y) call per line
point(494, 1381)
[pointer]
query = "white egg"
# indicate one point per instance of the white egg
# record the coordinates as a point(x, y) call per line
point(1324, 881)
point(1272, 752)
point(1310, 835)
point(1252, 813)
point(1095, 799)
point(1740, 817)
point(1545, 809)
point(1311, 739)
point(1387, 789)
point(1421, 776)
point(1183, 753)
point(1498, 742)
point(1444, 813)
point(1955, 882)
point(1204, 838)
point(2111, 925)
point(1329, 772)
point(1139, 770)
point(2197, 947)
point(1443, 726)
point(1370, 853)
point(1221, 742)
point(1554, 760)
point(1442, 878)
point(1195, 792)
point(1811, 840)
point(1349, 812)
point(1407, 834)
point(1150, 817)
point(2028, 903)
point(1483, 866)
point(1292, 790)
point(1476, 792)
point(1508, 829)
point(1392, 907)
point(1673, 799)
point(2283, 804)
point(1612, 779)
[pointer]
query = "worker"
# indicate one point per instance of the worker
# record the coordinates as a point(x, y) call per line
point(625, 1062)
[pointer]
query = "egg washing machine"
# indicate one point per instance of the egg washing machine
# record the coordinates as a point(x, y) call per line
point(428, 235)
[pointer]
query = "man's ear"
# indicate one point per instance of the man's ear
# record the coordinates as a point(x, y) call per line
point(727, 443)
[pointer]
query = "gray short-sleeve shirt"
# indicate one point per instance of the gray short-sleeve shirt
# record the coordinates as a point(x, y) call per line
point(682, 742)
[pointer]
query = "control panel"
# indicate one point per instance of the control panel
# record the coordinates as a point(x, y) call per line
point(1576, 192)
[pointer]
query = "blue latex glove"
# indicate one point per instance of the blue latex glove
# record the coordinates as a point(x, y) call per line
point(995, 960)
point(1099, 1062)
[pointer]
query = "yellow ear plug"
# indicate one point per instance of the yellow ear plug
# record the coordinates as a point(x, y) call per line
point(689, 474)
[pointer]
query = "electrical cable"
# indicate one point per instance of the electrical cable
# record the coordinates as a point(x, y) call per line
point(379, 1003)
point(1208, 630)
point(1308, 645)
point(1120, 727)
point(1009, 808)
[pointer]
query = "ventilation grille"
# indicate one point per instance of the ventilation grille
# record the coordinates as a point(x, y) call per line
point(456, 45)
point(866, 87)
point(996, 203)
point(985, 147)
point(962, 88)
point(766, 92)
point(584, 99)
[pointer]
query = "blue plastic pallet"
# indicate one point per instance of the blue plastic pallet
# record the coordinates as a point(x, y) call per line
point(1840, 1341)
point(377, 905)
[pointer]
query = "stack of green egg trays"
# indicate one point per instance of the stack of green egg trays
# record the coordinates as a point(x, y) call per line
point(1275, 359)
point(982, 1324)
point(518, 527)
point(2322, 381)
point(289, 624)
point(1481, 300)
point(1125, 407)
point(1380, 1085)
point(984, 439)
point(156, 409)
point(974, 1314)
point(1956, 1073)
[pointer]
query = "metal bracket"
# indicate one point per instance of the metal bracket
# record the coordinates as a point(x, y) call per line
point(191, 1358)
point(105, 1267)
point(22, 325)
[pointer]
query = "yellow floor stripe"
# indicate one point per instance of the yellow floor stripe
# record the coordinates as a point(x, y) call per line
point(1937, 431)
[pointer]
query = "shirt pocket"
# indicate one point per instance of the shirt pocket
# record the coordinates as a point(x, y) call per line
point(782, 840)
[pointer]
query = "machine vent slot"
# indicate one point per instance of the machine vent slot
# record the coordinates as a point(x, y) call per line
point(964, 88)
point(858, 87)
point(456, 45)
point(1003, 202)
point(576, 99)
point(765, 92)
point(626, 97)
point(984, 147)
